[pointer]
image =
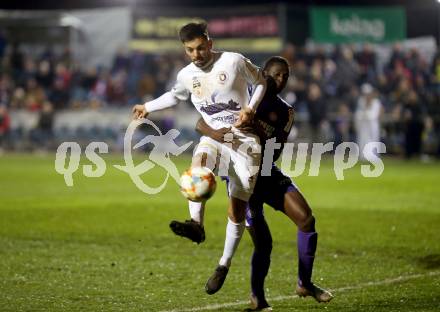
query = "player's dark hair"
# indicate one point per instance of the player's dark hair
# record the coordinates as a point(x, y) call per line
point(275, 60)
point(192, 31)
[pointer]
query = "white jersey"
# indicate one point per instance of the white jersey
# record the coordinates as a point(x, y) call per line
point(220, 91)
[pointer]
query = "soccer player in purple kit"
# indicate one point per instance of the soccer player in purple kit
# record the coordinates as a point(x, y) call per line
point(274, 119)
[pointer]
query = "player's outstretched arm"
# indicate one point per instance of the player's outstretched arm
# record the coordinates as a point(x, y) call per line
point(166, 100)
point(218, 135)
point(139, 111)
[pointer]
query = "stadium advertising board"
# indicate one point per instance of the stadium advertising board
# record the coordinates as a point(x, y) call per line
point(342, 24)
point(246, 32)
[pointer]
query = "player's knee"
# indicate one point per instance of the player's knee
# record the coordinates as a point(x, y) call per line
point(237, 216)
point(307, 223)
point(237, 210)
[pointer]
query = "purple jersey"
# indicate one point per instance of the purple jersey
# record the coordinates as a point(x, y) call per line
point(275, 117)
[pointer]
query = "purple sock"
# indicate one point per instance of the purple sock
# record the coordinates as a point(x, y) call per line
point(307, 243)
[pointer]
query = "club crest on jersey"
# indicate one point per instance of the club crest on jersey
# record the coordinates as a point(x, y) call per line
point(222, 77)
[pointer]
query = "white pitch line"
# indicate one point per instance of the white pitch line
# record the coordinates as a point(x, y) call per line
point(281, 298)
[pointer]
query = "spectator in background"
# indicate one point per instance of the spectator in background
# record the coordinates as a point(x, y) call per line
point(62, 73)
point(29, 71)
point(299, 84)
point(366, 59)
point(366, 121)
point(398, 73)
point(45, 75)
point(397, 55)
point(146, 87)
point(35, 95)
point(316, 71)
point(5, 88)
point(66, 58)
point(117, 89)
point(98, 96)
point(121, 61)
point(18, 100)
point(413, 117)
point(317, 112)
point(329, 71)
point(401, 91)
point(42, 135)
point(59, 95)
point(17, 61)
point(347, 73)
point(341, 124)
point(5, 123)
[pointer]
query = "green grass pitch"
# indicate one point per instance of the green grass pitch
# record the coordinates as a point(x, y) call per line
point(102, 245)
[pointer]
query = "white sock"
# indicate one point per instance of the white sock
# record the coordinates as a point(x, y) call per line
point(234, 232)
point(197, 211)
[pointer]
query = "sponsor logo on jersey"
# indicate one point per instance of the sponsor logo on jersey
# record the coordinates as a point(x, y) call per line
point(268, 129)
point(219, 107)
point(196, 86)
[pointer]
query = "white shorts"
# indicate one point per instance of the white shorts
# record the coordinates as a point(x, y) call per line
point(239, 159)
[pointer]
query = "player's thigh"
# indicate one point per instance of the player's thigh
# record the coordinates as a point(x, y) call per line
point(205, 154)
point(272, 189)
point(283, 195)
point(246, 154)
point(297, 209)
point(237, 209)
point(243, 174)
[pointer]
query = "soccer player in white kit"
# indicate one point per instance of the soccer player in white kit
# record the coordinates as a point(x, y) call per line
point(217, 83)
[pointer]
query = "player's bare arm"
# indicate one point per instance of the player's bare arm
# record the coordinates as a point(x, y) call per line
point(245, 118)
point(219, 135)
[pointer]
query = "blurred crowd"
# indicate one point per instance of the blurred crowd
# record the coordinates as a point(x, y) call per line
point(349, 96)
point(340, 94)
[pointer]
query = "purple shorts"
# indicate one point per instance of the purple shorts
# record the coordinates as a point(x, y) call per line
point(269, 190)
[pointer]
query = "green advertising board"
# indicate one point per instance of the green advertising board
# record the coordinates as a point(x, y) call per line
point(357, 24)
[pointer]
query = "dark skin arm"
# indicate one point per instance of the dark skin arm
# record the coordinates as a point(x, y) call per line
point(219, 134)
